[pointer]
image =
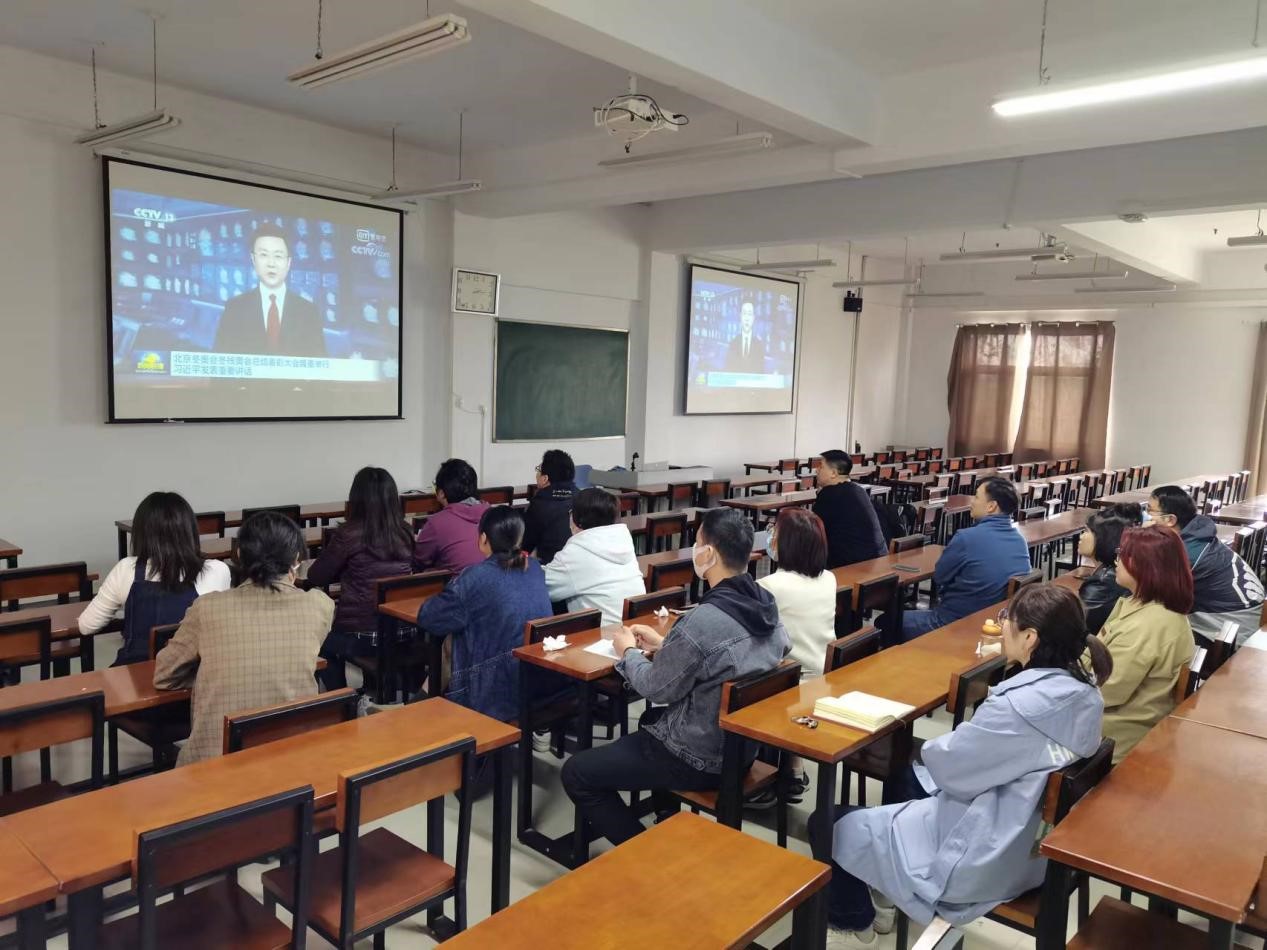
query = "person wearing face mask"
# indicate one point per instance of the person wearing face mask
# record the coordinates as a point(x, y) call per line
point(969, 844)
point(734, 632)
point(250, 647)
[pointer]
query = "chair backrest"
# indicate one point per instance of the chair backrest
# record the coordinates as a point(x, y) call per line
point(937, 453)
point(935, 466)
point(501, 495)
point(740, 693)
point(247, 729)
point(666, 524)
point(183, 852)
point(1186, 685)
point(886, 471)
point(160, 636)
point(910, 542)
point(969, 688)
point(27, 641)
point(1210, 658)
point(858, 458)
point(1018, 581)
point(881, 458)
point(45, 580)
point(424, 503)
point(879, 593)
point(628, 502)
point(210, 522)
point(713, 488)
point(672, 574)
point(561, 625)
point(921, 455)
point(289, 511)
point(408, 586)
point(1066, 787)
point(844, 611)
point(790, 465)
point(641, 604)
point(899, 455)
point(845, 650)
point(57, 721)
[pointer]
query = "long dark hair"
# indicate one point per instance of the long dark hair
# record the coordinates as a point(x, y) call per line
point(504, 528)
point(165, 538)
point(1057, 614)
point(374, 505)
point(269, 544)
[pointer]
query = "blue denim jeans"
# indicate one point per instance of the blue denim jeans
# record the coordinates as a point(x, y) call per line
point(916, 623)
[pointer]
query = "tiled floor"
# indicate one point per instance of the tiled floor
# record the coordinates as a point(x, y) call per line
point(528, 869)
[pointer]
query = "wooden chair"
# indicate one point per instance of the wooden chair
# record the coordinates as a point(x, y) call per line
point(221, 914)
point(611, 693)
point(922, 455)
point(40, 726)
point(935, 466)
point(501, 495)
point(937, 453)
point(1023, 580)
point(386, 668)
point(374, 880)
point(990, 460)
point(25, 643)
point(159, 728)
point(741, 774)
point(253, 727)
point(886, 471)
point(791, 466)
point(844, 611)
point(60, 581)
point(628, 502)
point(882, 458)
point(882, 594)
point(423, 503)
point(663, 526)
point(290, 511)
point(1146, 474)
point(1118, 924)
point(671, 598)
point(210, 523)
point(1206, 660)
point(899, 455)
point(911, 542)
point(858, 458)
point(845, 650)
point(711, 491)
point(970, 688)
point(676, 574)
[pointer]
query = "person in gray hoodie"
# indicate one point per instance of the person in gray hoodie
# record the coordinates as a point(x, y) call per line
point(734, 632)
point(597, 568)
point(970, 844)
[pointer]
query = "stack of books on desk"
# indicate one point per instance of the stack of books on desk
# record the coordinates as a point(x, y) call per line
point(861, 711)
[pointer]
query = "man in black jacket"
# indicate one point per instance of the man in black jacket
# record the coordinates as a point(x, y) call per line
point(546, 522)
point(849, 518)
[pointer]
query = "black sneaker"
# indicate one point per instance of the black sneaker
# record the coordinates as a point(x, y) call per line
point(762, 801)
point(797, 788)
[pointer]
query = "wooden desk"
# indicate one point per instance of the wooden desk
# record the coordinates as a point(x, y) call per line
point(221, 549)
point(25, 884)
point(758, 505)
point(750, 482)
point(1181, 819)
point(925, 559)
point(638, 524)
point(391, 616)
point(9, 553)
point(1244, 512)
point(750, 467)
point(683, 556)
point(1042, 531)
point(127, 689)
point(64, 618)
point(725, 889)
point(1233, 698)
point(87, 841)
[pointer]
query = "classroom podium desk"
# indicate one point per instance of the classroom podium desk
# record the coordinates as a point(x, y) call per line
point(1232, 699)
point(9, 553)
point(88, 840)
point(1180, 819)
point(727, 888)
point(25, 884)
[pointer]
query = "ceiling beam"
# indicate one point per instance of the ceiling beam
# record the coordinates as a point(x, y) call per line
point(1149, 246)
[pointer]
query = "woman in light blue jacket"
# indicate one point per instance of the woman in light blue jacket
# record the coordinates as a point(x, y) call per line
point(970, 844)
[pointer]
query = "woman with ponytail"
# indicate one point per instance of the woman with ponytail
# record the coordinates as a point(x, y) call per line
point(253, 646)
point(969, 844)
point(484, 610)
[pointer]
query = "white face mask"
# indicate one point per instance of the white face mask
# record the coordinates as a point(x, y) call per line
point(701, 571)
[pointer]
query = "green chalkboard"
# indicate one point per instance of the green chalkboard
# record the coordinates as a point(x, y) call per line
point(559, 382)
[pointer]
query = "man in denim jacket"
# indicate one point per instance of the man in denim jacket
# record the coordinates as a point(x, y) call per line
point(734, 632)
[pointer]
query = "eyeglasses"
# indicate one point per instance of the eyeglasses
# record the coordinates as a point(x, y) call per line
point(1003, 615)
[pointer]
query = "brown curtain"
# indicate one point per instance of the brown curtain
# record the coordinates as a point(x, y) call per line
point(1066, 407)
point(982, 373)
point(1256, 438)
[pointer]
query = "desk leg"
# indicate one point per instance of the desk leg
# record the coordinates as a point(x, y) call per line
point(1220, 934)
point(435, 664)
point(31, 928)
point(826, 803)
point(895, 785)
point(83, 918)
point(809, 923)
point(501, 824)
point(523, 820)
point(384, 646)
point(13, 561)
point(584, 740)
point(123, 544)
point(435, 847)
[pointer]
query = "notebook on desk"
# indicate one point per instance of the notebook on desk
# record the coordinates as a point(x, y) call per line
point(861, 711)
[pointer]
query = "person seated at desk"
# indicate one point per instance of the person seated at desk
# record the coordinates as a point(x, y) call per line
point(1148, 635)
point(597, 568)
point(1100, 592)
point(483, 610)
point(1224, 587)
point(804, 590)
point(970, 843)
point(157, 585)
point(449, 540)
point(547, 524)
point(374, 542)
point(250, 647)
point(972, 573)
point(734, 632)
point(849, 518)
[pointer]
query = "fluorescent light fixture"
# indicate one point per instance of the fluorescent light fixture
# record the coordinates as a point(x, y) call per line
point(442, 190)
point(735, 145)
point(1078, 275)
point(954, 293)
point(1045, 252)
point(1245, 69)
point(790, 265)
point(1157, 288)
point(1249, 240)
point(141, 125)
point(893, 282)
point(422, 39)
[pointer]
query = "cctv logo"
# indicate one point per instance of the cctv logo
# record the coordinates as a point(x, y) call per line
point(153, 214)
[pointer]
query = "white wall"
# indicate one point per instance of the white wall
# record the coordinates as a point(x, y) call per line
point(582, 268)
point(1181, 383)
point(68, 475)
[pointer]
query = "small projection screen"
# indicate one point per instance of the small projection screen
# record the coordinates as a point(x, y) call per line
point(231, 301)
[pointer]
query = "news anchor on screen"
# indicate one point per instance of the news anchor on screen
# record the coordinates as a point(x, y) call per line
point(270, 318)
point(746, 352)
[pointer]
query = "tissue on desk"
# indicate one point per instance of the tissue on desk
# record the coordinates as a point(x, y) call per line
point(554, 643)
point(662, 613)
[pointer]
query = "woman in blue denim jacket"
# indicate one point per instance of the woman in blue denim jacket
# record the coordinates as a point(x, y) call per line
point(484, 610)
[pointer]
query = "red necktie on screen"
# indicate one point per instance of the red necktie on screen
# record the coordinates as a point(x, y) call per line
point(274, 327)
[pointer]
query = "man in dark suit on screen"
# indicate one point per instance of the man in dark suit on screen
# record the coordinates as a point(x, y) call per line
point(271, 318)
point(746, 352)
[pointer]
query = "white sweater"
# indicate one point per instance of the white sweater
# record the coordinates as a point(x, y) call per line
point(597, 569)
point(807, 608)
point(113, 593)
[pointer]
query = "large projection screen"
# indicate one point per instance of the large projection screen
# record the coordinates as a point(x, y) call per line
point(741, 350)
point(230, 301)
